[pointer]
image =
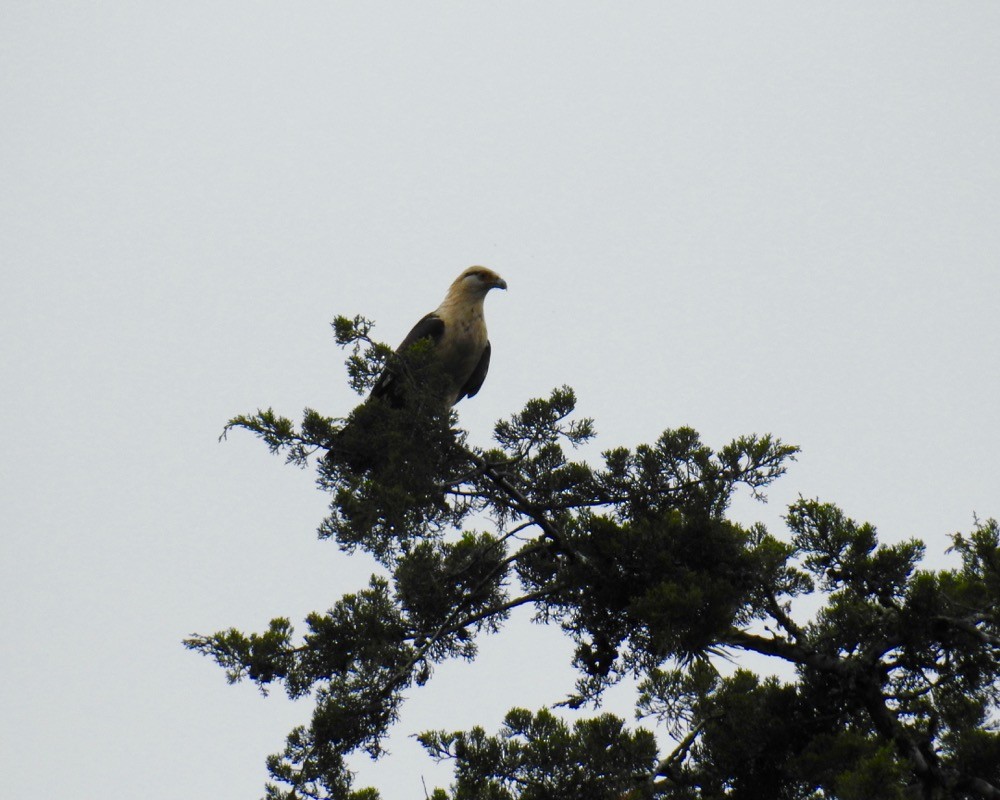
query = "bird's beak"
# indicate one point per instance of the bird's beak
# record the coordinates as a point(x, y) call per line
point(501, 284)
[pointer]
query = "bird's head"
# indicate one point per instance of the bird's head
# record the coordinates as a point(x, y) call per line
point(478, 281)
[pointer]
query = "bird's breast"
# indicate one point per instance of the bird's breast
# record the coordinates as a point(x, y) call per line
point(462, 345)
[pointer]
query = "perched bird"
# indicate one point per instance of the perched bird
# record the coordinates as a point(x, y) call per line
point(457, 330)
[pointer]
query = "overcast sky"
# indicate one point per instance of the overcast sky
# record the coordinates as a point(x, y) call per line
point(741, 217)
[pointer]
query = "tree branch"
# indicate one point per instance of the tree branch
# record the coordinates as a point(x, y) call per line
point(666, 766)
point(523, 505)
point(970, 626)
point(789, 651)
point(783, 618)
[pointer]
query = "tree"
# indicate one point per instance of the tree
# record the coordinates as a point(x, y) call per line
point(896, 675)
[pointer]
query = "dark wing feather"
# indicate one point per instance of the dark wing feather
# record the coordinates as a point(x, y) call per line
point(475, 382)
point(431, 326)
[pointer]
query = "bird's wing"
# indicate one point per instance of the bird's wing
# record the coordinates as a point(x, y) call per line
point(475, 381)
point(431, 326)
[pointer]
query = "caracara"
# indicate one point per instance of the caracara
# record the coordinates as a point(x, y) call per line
point(457, 330)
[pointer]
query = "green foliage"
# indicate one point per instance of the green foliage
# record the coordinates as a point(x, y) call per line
point(539, 757)
point(897, 668)
point(388, 470)
point(262, 657)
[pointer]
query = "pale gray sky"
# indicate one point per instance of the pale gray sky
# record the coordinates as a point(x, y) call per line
point(742, 217)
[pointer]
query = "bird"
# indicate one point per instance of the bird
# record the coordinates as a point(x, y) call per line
point(457, 332)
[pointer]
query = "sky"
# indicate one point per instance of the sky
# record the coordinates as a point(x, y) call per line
point(777, 217)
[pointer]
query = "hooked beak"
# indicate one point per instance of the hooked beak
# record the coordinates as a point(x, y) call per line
point(501, 284)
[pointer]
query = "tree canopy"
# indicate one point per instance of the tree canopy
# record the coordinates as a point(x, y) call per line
point(895, 689)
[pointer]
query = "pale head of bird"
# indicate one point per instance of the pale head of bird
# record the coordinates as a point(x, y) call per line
point(478, 281)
